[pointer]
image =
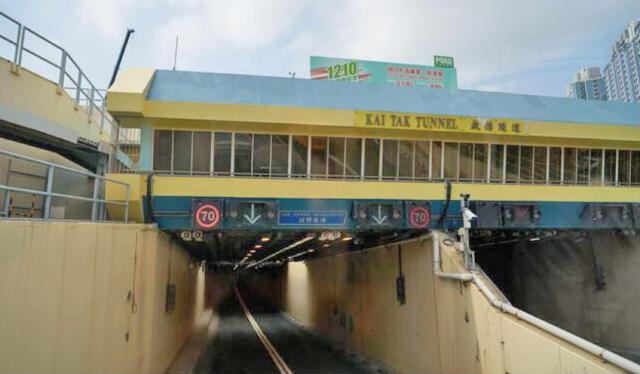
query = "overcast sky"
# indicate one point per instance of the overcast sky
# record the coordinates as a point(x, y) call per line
point(523, 46)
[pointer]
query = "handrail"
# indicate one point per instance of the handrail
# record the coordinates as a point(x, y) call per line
point(97, 203)
point(93, 98)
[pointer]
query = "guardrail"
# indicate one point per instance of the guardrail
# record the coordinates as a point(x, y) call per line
point(98, 204)
point(81, 89)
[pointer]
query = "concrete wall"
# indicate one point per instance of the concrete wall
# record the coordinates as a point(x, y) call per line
point(90, 298)
point(589, 288)
point(444, 327)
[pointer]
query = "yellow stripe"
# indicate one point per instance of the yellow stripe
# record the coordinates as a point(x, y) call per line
point(322, 189)
point(275, 356)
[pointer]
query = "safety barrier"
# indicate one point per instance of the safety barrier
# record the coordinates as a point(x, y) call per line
point(98, 204)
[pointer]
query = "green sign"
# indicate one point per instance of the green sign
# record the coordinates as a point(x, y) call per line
point(349, 70)
point(443, 61)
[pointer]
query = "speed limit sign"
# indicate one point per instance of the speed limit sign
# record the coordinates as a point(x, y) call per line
point(206, 215)
point(419, 217)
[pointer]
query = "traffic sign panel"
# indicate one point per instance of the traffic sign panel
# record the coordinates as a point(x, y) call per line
point(419, 217)
point(206, 216)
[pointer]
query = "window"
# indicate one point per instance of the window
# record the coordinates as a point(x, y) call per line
point(480, 163)
point(595, 164)
point(570, 165)
point(299, 149)
point(318, 157)
point(610, 166)
point(261, 154)
point(242, 159)
point(182, 151)
point(372, 158)
point(354, 157)
point(336, 157)
point(279, 155)
point(451, 161)
point(513, 154)
point(436, 161)
point(222, 153)
point(583, 166)
point(390, 159)
point(162, 150)
point(540, 164)
point(497, 163)
point(422, 160)
point(201, 152)
point(555, 164)
point(635, 168)
point(405, 156)
point(466, 162)
point(624, 167)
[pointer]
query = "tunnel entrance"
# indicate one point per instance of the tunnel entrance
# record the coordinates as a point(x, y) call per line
point(584, 282)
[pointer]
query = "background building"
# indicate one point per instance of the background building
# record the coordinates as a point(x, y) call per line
point(622, 74)
point(588, 84)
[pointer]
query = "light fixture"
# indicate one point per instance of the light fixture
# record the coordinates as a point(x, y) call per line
point(347, 238)
point(252, 251)
point(310, 236)
point(265, 239)
point(326, 245)
point(257, 246)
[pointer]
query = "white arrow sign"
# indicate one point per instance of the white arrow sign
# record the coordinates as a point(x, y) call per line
point(379, 219)
point(253, 218)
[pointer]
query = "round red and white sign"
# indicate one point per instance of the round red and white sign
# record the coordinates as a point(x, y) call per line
point(419, 217)
point(207, 216)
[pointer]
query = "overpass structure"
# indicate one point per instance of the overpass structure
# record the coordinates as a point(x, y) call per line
point(290, 155)
point(49, 102)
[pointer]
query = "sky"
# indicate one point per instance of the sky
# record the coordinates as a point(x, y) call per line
point(519, 46)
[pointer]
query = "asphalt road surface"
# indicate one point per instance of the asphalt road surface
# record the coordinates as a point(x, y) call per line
point(279, 346)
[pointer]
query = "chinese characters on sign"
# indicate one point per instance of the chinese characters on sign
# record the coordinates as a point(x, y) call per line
point(406, 121)
point(396, 74)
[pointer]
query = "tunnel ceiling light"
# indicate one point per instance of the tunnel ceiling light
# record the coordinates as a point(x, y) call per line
point(347, 238)
point(257, 246)
point(265, 239)
point(326, 245)
point(252, 251)
point(309, 236)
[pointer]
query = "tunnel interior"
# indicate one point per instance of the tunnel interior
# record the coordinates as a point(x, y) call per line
point(582, 281)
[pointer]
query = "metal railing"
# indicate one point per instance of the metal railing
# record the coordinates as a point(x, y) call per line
point(81, 90)
point(98, 203)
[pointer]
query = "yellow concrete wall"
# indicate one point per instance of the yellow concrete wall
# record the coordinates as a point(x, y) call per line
point(27, 92)
point(65, 308)
point(444, 327)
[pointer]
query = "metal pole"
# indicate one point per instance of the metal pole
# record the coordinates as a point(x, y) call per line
point(47, 199)
point(79, 88)
point(17, 59)
point(63, 67)
point(124, 46)
point(126, 207)
point(94, 203)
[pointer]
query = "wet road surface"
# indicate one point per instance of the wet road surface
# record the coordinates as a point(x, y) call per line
point(237, 348)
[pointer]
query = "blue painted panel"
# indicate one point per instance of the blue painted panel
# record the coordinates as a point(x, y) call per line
point(312, 218)
point(182, 86)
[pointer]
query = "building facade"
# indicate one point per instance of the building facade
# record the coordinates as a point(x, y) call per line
point(588, 84)
point(622, 74)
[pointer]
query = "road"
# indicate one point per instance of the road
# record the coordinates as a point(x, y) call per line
point(279, 346)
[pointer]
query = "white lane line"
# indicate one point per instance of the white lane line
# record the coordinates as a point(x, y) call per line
point(275, 356)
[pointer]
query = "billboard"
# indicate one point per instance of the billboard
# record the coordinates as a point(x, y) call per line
point(407, 75)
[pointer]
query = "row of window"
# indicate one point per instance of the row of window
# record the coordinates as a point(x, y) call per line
point(266, 155)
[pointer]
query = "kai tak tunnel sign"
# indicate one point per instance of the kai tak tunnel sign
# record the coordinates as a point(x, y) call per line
point(425, 122)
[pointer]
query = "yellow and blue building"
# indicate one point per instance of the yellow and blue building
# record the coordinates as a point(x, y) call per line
point(294, 154)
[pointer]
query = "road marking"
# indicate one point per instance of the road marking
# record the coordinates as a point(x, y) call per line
point(275, 356)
